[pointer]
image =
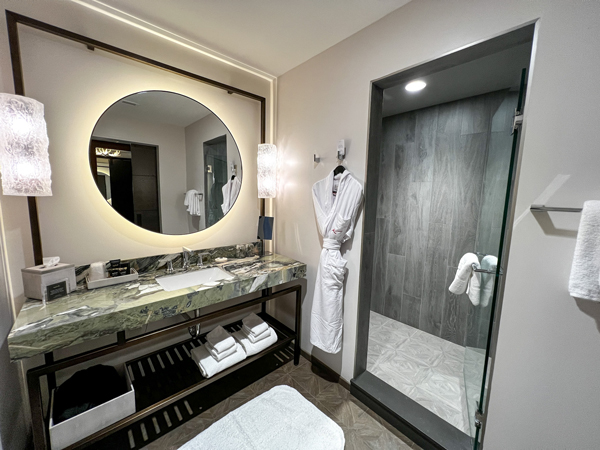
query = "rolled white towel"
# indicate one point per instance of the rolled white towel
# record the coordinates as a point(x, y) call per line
point(220, 339)
point(464, 273)
point(254, 325)
point(220, 356)
point(209, 366)
point(584, 281)
point(489, 262)
point(253, 348)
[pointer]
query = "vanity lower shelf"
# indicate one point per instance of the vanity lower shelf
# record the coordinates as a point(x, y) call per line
point(171, 396)
point(170, 390)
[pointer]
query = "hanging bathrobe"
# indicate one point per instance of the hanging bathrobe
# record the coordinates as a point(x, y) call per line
point(337, 200)
point(230, 190)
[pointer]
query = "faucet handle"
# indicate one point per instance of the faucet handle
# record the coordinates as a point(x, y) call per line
point(200, 255)
point(170, 267)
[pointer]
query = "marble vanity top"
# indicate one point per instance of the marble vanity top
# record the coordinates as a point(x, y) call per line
point(88, 314)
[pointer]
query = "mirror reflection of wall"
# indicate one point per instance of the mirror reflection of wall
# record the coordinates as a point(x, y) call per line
point(150, 154)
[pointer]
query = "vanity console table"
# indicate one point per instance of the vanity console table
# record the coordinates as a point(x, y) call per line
point(169, 388)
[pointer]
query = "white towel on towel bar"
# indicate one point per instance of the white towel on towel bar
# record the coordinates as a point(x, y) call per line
point(488, 280)
point(209, 366)
point(252, 348)
point(192, 201)
point(585, 271)
point(467, 279)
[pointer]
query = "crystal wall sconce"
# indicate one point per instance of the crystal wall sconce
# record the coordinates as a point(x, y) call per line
point(24, 160)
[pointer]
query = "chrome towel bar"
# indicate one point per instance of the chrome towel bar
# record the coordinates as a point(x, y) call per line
point(544, 208)
point(491, 272)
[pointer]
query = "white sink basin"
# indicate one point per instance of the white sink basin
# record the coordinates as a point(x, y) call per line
point(185, 280)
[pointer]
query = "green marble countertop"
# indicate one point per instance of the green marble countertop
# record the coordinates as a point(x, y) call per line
point(86, 314)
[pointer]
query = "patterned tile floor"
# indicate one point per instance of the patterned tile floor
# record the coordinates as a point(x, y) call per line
point(426, 368)
point(363, 429)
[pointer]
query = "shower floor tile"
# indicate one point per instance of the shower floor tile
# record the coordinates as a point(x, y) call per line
point(424, 367)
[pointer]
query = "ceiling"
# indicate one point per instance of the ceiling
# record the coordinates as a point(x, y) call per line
point(159, 107)
point(273, 36)
point(491, 73)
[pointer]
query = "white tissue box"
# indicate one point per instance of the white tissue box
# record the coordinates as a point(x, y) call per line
point(49, 283)
point(88, 422)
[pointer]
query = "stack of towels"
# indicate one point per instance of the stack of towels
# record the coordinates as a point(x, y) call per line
point(220, 352)
point(255, 335)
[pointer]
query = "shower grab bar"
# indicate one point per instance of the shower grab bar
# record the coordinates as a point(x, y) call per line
point(544, 208)
point(491, 272)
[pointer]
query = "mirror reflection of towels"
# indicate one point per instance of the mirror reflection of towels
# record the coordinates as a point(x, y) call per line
point(192, 201)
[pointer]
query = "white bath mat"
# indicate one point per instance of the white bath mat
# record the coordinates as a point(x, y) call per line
point(279, 419)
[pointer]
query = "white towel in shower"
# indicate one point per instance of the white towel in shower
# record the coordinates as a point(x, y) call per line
point(466, 278)
point(584, 281)
point(489, 262)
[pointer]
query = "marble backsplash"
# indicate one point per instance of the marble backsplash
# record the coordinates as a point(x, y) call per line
point(150, 263)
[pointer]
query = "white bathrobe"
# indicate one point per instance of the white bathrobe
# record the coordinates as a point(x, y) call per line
point(230, 190)
point(336, 216)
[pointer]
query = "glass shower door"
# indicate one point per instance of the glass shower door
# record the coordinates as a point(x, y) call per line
point(497, 192)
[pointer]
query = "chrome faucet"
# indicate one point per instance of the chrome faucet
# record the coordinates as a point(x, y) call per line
point(200, 255)
point(186, 257)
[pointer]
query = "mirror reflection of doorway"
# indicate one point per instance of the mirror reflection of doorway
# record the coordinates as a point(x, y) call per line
point(215, 177)
point(126, 174)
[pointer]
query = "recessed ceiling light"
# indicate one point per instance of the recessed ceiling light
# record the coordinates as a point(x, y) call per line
point(415, 86)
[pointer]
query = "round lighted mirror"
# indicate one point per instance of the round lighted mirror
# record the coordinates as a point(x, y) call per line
point(165, 162)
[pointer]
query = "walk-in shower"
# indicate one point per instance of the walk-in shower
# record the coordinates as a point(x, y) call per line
point(439, 187)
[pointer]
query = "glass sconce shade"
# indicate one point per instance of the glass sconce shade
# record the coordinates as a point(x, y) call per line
point(24, 160)
point(267, 170)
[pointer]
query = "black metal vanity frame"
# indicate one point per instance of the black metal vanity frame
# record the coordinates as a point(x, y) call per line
point(14, 19)
point(222, 385)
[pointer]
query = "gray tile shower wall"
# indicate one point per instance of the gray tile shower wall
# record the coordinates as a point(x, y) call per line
point(441, 193)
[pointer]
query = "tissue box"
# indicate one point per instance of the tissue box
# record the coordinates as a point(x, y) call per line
point(49, 283)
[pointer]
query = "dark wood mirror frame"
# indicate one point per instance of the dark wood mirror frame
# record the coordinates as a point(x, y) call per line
point(14, 19)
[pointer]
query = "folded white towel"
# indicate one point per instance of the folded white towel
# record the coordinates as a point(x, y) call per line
point(584, 281)
point(252, 348)
point(466, 278)
point(254, 325)
point(489, 262)
point(220, 356)
point(256, 338)
point(209, 366)
point(220, 339)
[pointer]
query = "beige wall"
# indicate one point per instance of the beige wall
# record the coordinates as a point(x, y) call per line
point(545, 391)
point(170, 140)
